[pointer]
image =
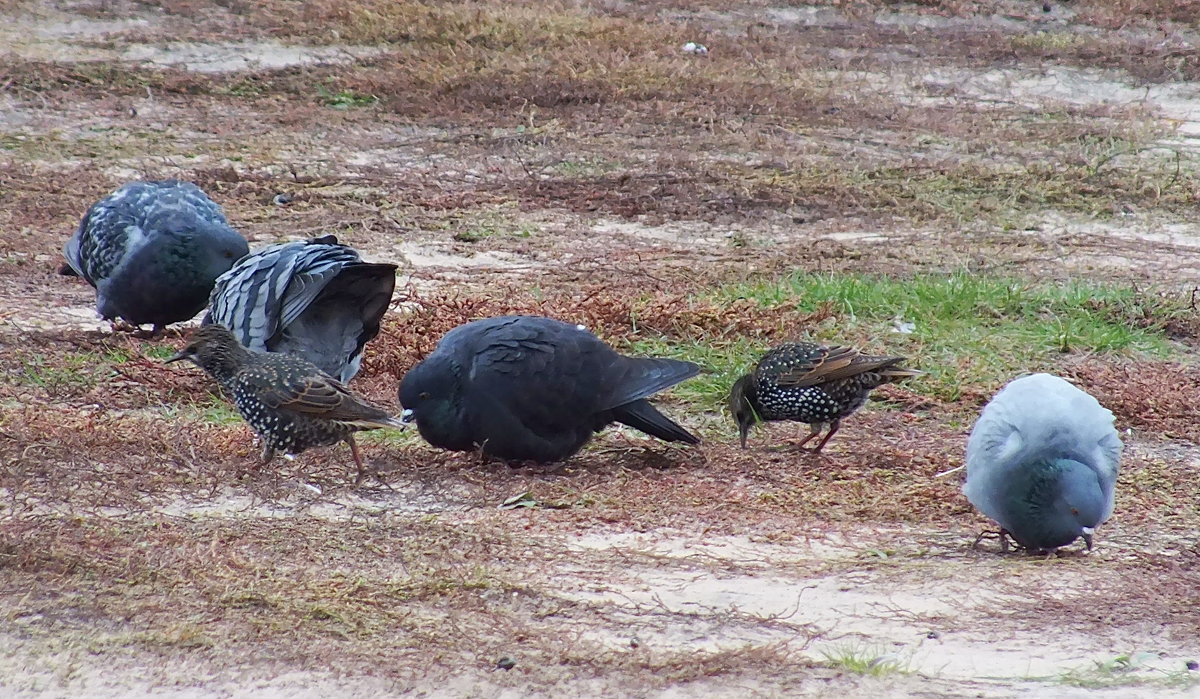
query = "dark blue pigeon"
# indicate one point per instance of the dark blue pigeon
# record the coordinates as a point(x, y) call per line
point(535, 389)
point(152, 250)
point(1042, 462)
point(315, 299)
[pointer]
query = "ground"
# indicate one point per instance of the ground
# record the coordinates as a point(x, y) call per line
point(987, 188)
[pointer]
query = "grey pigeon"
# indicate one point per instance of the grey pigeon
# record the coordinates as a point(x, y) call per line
point(534, 389)
point(1042, 462)
point(152, 250)
point(316, 299)
point(806, 382)
point(290, 403)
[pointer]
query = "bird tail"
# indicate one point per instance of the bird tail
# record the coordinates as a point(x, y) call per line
point(645, 417)
point(375, 422)
point(893, 374)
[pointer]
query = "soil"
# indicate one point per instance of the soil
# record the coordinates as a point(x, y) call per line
point(142, 551)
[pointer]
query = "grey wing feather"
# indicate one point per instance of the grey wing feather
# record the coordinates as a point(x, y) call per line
point(269, 289)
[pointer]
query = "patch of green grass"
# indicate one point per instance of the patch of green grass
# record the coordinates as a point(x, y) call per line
point(1048, 41)
point(1128, 670)
point(73, 372)
point(345, 99)
point(157, 351)
point(863, 660)
point(966, 329)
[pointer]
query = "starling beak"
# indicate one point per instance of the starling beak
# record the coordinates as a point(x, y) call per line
point(290, 403)
point(534, 389)
point(806, 382)
point(152, 250)
point(315, 299)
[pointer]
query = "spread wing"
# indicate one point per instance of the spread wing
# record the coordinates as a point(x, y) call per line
point(268, 290)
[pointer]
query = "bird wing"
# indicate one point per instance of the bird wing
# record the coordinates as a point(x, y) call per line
point(269, 289)
point(312, 394)
point(109, 230)
point(824, 364)
point(553, 373)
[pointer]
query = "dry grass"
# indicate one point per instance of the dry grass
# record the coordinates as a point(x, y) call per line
point(138, 528)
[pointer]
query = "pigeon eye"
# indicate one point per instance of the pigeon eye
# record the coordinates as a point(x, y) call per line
point(1074, 511)
point(422, 395)
point(228, 255)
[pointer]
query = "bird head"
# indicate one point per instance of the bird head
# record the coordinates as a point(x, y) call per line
point(431, 395)
point(1063, 502)
point(742, 401)
point(214, 349)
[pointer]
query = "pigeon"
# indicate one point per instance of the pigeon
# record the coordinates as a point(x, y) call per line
point(1042, 462)
point(290, 403)
point(316, 299)
point(152, 250)
point(528, 388)
point(806, 382)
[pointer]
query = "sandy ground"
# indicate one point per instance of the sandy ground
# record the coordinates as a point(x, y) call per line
point(708, 603)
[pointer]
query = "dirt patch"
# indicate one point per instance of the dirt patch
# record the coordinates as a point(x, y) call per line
point(571, 159)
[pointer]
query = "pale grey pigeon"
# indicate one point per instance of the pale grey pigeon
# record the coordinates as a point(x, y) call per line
point(1042, 462)
point(152, 250)
point(315, 299)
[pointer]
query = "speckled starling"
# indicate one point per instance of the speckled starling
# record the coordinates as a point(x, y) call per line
point(534, 389)
point(290, 403)
point(315, 299)
point(806, 382)
point(152, 250)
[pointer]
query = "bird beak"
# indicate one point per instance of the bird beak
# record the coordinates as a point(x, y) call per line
point(182, 354)
point(407, 416)
point(1087, 536)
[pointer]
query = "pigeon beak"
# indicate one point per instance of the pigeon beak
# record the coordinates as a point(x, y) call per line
point(1087, 536)
point(407, 416)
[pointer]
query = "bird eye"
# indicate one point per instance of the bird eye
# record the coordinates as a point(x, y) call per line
point(228, 255)
point(422, 395)
point(1074, 511)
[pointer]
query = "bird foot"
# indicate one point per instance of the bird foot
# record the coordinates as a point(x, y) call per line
point(1000, 534)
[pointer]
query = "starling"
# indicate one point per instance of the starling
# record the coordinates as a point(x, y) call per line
point(290, 403)
point(806, 382)
point(1042, 461)
point(529, 388)
point(152, 250)
point(315, 299)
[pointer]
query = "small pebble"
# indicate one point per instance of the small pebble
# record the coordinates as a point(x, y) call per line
point(506, 663)
point(933, 635)
point(282, 199)
point(1193, 665)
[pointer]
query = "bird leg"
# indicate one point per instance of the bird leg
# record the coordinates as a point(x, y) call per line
point(362, 468)
point(833, 427)
point(357, 459)
point(813, 430)
point(1002, 535)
